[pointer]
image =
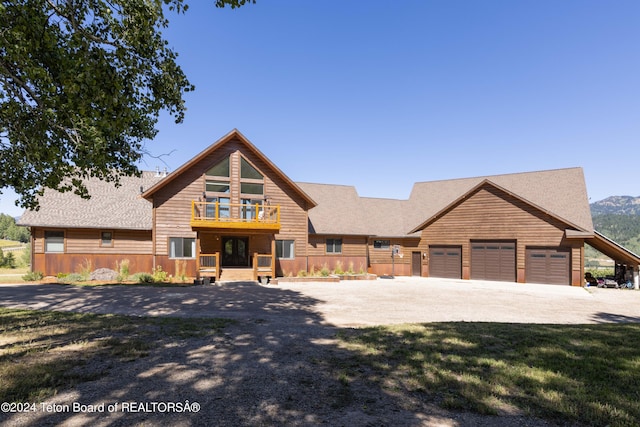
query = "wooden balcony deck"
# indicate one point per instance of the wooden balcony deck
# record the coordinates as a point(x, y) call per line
point(215, 215)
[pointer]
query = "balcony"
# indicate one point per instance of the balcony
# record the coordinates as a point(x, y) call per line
point(234, 216)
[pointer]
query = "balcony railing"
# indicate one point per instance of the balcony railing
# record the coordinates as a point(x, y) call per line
point(235, 215)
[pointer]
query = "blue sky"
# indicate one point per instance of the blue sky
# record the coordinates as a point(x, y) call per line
point(381, 94)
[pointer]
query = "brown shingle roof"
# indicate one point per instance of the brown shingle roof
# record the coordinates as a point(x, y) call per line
point(109, 207)
point(561, 192)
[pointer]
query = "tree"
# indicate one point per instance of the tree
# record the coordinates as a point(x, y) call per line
point(9, 230)
point(82, 83)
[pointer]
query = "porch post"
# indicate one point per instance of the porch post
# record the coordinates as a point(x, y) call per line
point(636, 277)
point(198, 251)
point(273, 257)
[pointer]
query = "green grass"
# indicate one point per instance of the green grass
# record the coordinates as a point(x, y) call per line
point(566, 374)
point(10, 243)
point(12, 275)
point(43, 352)
point(586, 374)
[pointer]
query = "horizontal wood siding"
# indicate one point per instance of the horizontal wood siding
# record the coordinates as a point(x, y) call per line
point(52, 264)
point(83, 246)
point(383, 256)
point(491, 214)
point(173, 202)
point(124, 242)
point(352, 246)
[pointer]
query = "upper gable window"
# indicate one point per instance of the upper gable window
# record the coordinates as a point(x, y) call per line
point(248, 171)
point(221, 169)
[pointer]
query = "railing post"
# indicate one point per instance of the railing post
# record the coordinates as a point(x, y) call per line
point(255, 266)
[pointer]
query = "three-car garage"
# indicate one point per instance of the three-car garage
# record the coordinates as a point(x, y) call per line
point(497, 260)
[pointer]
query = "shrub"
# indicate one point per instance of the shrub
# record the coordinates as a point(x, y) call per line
point(143, 278)
point(72, 278)
point(85, 270)
point(62, 275)
point(159, 275)
point(122, 268)
point(33, 276)
point(302, 273)
point(350, 270)
point(8, 260)
point(324, 272)
point(181, 269)
point(338, 269)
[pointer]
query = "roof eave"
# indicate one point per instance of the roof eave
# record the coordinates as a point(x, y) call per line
point(233, 134)
point(512, 194)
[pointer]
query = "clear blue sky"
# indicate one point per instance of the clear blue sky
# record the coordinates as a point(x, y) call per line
point(381, 94)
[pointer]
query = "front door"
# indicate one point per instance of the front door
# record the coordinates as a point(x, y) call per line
point(235, 252)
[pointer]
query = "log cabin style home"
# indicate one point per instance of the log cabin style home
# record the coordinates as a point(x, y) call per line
point(231, 214)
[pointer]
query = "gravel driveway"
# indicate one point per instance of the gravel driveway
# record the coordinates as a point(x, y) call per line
point(347, 303)
point(280, 364)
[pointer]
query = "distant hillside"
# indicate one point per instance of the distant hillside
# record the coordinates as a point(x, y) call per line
point(618, 217)
point(617, 205)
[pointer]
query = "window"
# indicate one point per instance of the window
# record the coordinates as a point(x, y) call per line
point(248, 171)
point(182, 247)
point(249, 209)
point(54, 241)
point(334, 246)
point(251, 188)
point(381, 244)
point(221, 169)
point(218, 186)
point(285, 249)
point(106, 238)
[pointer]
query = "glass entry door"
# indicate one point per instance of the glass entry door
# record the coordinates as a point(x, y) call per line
point(235, 252)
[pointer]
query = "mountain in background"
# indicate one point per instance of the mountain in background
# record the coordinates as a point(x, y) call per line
point(617, 205)
point(618, 218)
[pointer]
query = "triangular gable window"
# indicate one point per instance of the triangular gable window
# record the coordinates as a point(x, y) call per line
point(248, 171)
point(221, 169)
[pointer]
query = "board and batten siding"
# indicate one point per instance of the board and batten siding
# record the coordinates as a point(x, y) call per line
point(491, 214)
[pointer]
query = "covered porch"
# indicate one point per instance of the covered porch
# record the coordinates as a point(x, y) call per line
point(627, 264)
point(235, 256)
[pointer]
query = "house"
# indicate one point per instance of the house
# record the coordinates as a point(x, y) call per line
point(230, 213)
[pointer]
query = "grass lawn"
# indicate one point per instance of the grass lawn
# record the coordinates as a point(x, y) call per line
point(586, 374)
point(10, 243)
point(582, 374)
point(12, 275)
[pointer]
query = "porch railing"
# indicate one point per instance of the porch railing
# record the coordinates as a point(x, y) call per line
point(263, 265)
point(209, 265)
point(234, 215)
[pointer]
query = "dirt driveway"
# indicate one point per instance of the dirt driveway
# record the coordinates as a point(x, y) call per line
point(348, 303)
point(281, 363)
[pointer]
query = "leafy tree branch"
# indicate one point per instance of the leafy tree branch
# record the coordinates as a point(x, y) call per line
point(82, 83)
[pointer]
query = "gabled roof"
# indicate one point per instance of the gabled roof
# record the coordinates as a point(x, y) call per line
point(234, 135)
point(561, 193)
point(109, 207)
point(488, 182)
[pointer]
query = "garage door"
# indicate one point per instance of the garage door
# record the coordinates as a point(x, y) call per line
point(548, 265)
point(493, 261)
point(445, 261)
